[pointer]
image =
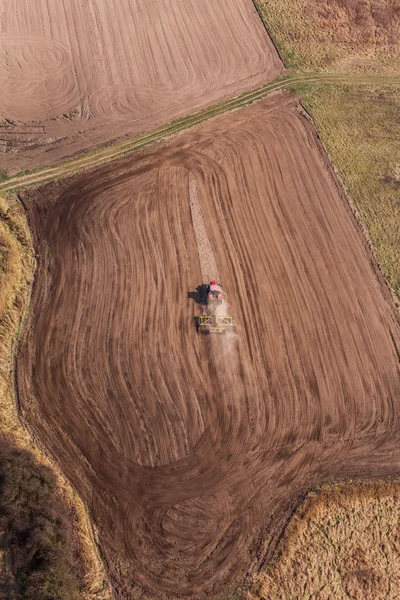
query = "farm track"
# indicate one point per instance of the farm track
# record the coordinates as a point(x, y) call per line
point(119, 149)
point(179, 443)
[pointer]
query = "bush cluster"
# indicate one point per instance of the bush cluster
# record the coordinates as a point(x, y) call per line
point(36, 536)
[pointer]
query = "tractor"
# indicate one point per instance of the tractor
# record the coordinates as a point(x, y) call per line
point(214, 319)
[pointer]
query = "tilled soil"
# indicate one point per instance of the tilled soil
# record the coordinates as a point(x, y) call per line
point(77, 73)
point(190, 451)
point(208, 264)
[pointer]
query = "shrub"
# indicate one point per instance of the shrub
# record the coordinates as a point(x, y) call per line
point(37, 539)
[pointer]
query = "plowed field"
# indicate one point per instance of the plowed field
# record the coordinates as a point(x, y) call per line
point(76, 73)
point(191, 450)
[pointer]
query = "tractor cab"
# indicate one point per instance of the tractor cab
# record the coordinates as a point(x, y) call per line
point(214, 320)
point(214, 293)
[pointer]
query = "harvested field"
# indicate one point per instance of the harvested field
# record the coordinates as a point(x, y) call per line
point(190, 452)
point(75, 74)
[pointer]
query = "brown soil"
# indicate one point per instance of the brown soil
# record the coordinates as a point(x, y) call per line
point(76, 73)
point(191, 454)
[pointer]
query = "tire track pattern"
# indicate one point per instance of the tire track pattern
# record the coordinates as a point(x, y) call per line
point(180, 452)
point(92, 71)
point(36, 77)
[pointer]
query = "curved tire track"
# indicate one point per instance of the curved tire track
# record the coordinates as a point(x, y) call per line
point(35, 71)
point(134, 64)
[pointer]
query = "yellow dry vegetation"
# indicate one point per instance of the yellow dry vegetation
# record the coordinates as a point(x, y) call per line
point(17, 266)
point(335, 35)
point(343, 542)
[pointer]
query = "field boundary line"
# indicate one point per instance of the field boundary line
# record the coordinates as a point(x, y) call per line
point(119, 149)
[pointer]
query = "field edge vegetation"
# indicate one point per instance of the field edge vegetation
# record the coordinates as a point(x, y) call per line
point(323, 104)
point(39, 546)
point(361, 133)
point(342, 542)
point(340, 36)
point(26, 474)
point(359, 128)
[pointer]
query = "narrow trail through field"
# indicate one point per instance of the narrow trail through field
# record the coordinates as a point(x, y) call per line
point(208, 264)
point(119, 149)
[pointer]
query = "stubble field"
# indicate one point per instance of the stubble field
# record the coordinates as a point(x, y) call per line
point(75, 74)
point(192, 450)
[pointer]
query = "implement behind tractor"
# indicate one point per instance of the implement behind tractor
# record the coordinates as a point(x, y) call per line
point(215, 319)
point(214, 323)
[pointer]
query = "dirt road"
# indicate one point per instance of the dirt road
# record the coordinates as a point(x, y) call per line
point(77, 73)
point(190, 454)
point(117, 150)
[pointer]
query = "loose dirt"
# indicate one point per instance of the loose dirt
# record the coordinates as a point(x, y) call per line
point(208, 264)
point(76, 73)
point(189, 461)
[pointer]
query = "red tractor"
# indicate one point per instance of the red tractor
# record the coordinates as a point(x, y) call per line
point(214, 294)
point(215, 319)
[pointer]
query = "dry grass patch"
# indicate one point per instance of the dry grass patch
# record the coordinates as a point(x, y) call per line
point(361, 130)
point(335, 35)
point(16, 273)
point(343, 542)
point(17, 265)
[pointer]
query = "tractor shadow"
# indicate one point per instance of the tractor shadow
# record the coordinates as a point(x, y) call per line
point(200, 297)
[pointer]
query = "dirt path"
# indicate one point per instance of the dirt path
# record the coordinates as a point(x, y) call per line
point(191, 459)
point(208, 265)
point(109, 153)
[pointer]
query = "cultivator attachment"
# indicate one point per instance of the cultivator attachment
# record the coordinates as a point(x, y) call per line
point(214, 324)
